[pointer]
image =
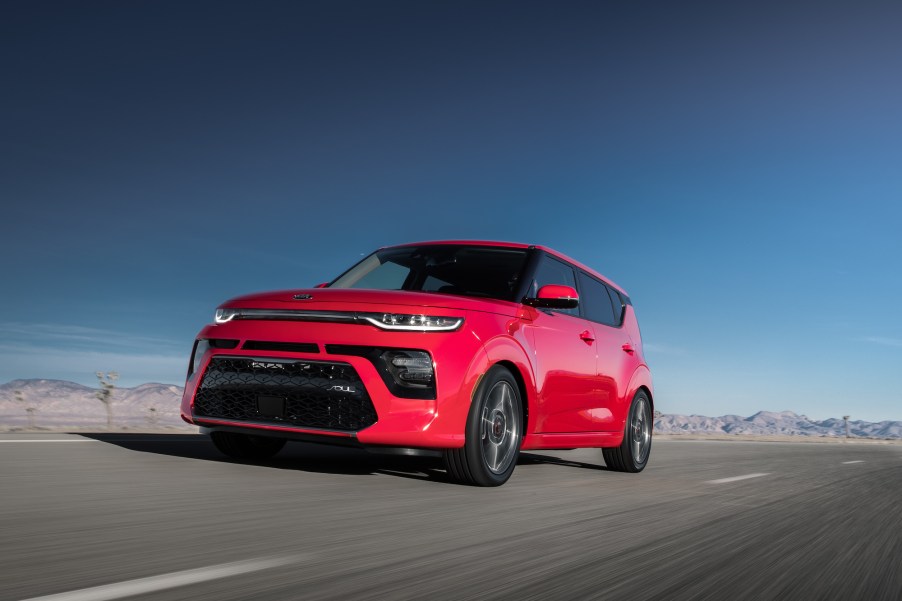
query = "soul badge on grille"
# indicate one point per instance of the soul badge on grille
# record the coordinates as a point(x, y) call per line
point(337, 388)
point(271, 406)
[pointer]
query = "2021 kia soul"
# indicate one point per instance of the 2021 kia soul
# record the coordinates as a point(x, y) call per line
point(470, 350)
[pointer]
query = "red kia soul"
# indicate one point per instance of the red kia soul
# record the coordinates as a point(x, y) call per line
point(468, 350)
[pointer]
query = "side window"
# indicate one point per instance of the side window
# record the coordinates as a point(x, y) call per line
point(617, 303)
point(595, 301)
point(552, 271)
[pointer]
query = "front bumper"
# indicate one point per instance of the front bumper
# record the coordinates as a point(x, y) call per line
point(356, 405)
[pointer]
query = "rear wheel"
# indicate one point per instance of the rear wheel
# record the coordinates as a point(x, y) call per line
point(632, 454)
point(493, 434)
point(245, 447)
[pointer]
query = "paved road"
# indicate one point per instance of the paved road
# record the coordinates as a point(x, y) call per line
point(167, 518)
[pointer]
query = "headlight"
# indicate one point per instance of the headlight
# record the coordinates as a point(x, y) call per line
point(422, 323)
point(224, 315)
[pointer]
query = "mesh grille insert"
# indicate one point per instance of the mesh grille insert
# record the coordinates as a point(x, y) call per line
point(316, 394)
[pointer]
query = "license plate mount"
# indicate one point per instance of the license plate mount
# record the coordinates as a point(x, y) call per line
point(271, 406)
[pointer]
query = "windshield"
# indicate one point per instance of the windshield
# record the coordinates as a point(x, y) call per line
point(484, 271)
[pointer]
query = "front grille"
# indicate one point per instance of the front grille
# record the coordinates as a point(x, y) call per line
point(311, 394)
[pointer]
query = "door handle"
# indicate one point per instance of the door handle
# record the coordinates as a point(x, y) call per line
point(628, 348)
point(587, 337)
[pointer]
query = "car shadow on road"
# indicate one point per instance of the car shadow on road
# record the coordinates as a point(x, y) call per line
point(527, 458)
point(308, 457)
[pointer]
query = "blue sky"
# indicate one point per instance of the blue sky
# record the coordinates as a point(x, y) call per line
point(736, 167)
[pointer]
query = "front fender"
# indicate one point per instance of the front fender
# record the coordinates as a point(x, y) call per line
point(509, 351)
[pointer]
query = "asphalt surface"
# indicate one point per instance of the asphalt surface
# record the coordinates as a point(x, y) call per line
point(166, 517)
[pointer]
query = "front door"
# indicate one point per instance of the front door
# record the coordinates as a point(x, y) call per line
point(565, 360)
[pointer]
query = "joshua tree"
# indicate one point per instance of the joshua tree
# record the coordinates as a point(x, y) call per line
point(20, 398)
point(105, 394)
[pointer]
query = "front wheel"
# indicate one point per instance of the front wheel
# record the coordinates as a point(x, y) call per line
point(244, 447)
point(493, 434)
point(632, 454)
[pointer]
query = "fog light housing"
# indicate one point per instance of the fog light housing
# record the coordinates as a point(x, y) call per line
point(410, 369)
point(197, 355)
point(201, 346)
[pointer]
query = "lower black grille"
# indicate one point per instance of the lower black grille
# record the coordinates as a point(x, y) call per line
point(313, 394)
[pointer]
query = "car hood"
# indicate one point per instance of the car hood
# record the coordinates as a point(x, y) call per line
point(337, 299)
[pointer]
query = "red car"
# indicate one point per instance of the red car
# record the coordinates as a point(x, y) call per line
point(468, 350)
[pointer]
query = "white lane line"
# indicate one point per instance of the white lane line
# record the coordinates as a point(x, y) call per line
point(165, 581)
point(53, 440)
point(850, 462)
point(735, 478)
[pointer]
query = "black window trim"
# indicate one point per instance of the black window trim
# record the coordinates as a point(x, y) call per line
point(529, 273)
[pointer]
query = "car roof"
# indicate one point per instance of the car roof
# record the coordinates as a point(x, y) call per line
point(497, 243)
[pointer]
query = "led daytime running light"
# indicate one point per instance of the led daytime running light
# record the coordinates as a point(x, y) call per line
point(384, 321)
point(225, 315)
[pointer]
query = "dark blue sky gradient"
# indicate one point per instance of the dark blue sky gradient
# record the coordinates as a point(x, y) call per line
point(737, 168)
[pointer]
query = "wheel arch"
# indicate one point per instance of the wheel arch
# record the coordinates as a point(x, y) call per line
point(509, 353)
point(651, 398)
point(640, 381)
point(521, 386)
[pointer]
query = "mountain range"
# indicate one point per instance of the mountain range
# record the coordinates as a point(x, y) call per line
point(769, 423)
point(57, 404)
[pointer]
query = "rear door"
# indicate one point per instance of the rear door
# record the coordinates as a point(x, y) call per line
point(615, 363)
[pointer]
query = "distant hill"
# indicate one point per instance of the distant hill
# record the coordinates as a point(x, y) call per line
point(768, 423)
point(58, 404)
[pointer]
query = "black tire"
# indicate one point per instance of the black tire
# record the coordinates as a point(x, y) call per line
point(633, 453)
point(493, 435)
point(244, 447)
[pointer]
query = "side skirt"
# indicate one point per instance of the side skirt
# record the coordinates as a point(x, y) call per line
point(572, 440)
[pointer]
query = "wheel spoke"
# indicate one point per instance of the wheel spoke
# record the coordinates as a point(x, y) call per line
point(498, 398)
point(500, 428)
point(493, 462)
